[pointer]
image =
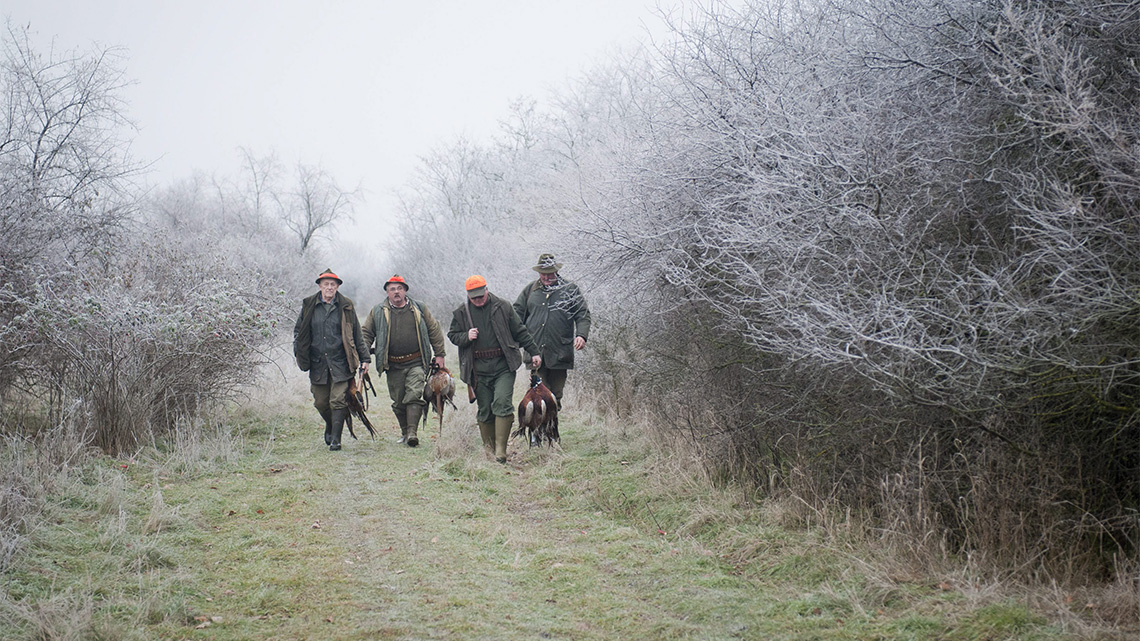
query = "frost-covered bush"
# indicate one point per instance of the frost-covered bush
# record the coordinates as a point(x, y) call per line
point(161, 333)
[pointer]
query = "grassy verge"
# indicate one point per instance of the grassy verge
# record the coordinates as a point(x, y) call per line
point(260, 533)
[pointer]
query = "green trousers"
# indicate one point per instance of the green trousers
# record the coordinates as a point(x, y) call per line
point(406, 386)
point(493, 393)
point(555, 381)
point(330, 396)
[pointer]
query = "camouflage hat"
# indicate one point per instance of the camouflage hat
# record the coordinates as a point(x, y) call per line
point(546, 265)
point(328, 273)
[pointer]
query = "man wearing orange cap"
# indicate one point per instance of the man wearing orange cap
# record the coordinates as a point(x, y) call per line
point(406, 335)
point(489, 333)
point(328, 344)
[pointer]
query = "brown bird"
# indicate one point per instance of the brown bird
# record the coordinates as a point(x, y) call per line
point(538, 414)
point(440, 388)
point(355, 398)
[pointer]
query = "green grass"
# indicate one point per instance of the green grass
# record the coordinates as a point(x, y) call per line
point(264, 534)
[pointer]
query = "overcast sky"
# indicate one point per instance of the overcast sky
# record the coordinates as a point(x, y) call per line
point(362, 87)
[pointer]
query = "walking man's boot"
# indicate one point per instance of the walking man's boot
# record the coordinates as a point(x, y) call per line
point(502, 435)
point(402, 419)
point(327, 416)
point(337, 427)
point(414, 414)
point(487, 433)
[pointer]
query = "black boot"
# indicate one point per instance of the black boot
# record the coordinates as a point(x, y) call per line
point(337, 428)
point(327, 415)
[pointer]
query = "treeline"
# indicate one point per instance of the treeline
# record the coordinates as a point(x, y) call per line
point(882, 256)
point(124, 311)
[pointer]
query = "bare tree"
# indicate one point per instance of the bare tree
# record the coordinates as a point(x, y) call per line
point(63, 164)
point(315, 204)
point(260, 177)
point(64, 189)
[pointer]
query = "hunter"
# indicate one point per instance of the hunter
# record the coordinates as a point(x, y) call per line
point(489, 334)
point(328, 344)
point(406, 336)
point(555, 312)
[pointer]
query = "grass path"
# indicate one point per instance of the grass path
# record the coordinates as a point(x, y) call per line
point(384, 541)
point(278, 538)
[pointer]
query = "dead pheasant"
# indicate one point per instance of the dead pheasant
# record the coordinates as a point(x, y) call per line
point(538, 414)
point(440, 388)
point(356, 402)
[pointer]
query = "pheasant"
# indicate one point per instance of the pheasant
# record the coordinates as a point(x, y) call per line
point(440, 388)
point(538, 414)
point(356, 404)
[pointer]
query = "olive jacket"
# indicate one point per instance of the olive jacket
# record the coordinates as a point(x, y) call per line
point(554, 315)
point(428, 331)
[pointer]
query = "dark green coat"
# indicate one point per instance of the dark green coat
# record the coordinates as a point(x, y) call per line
point(509, 330)
point(355, 349)
point(554, 317)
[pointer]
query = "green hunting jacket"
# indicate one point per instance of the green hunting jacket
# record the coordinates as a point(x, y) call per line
point(355, 349)
point(554, 316)
point(428, 332)
point(509, 331)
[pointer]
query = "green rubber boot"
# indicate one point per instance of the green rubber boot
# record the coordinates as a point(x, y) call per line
point(487, 432)
point(502, 435)
point(402, 419)
point(415, 412)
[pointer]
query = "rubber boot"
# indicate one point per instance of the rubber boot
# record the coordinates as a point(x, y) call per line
point(337, 428)
point(487, 433)
point(414, 414)
point(502, 435)
point(402, 419)
point(327, 416)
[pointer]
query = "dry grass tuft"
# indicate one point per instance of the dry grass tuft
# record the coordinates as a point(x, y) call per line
point(161, 516)
point(66, 616)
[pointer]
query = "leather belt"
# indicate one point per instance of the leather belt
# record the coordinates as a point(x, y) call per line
point(489, 353)
point(406, 358)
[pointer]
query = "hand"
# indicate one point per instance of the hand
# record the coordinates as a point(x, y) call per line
point(438, 360)
point(536, 361)
point(473, 333)
point(579, 343)
point(364, 368)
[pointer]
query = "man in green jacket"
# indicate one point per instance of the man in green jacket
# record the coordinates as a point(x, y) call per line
point(555, 312)
point(328, 344)
point(406, 335)
point(489, 334)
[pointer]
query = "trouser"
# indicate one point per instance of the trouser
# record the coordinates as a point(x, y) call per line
point(329, 396)
point(555, 381)
point(493, 394)
point(332, 404)
point(406, 386)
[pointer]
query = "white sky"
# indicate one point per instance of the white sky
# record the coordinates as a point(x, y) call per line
point(362, 87)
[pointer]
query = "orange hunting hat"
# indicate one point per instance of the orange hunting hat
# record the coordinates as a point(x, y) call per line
point(475, 285)
point(328, 273)
point(397, 279)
